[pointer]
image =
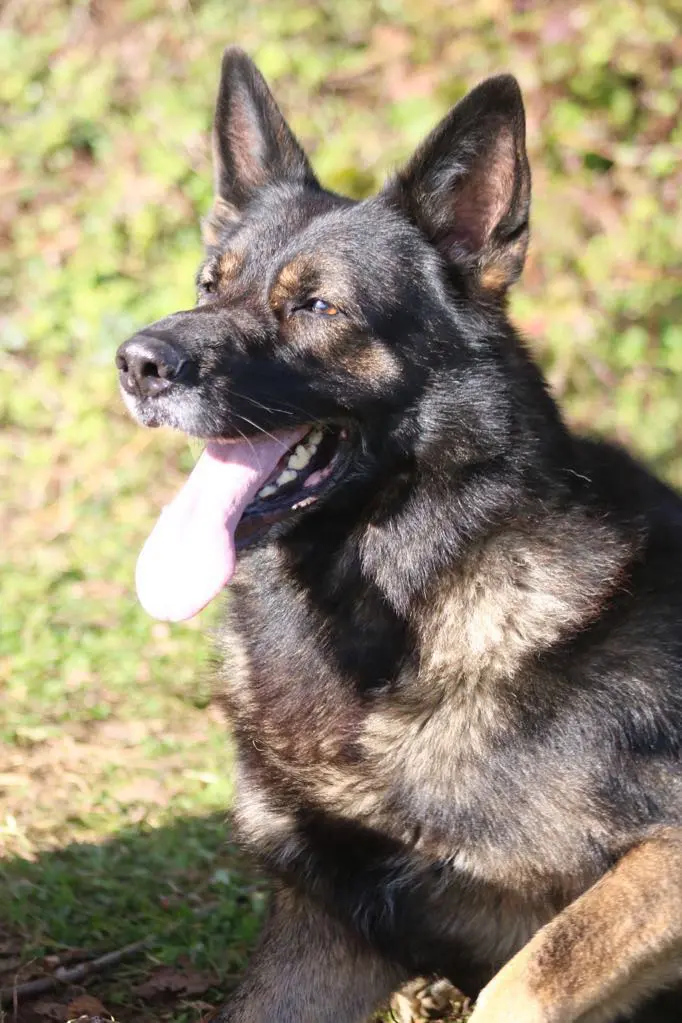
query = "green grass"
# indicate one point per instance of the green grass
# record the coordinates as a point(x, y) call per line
point(114, 771)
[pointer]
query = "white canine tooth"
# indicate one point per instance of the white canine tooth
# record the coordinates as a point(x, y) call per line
point(315, 437)
point(300, 458)
point(267, 491)
point(288, 476)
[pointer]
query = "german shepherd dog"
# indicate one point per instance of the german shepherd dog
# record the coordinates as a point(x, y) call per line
point(453, 660)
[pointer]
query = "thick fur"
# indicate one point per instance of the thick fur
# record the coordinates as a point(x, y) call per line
point(456, 682)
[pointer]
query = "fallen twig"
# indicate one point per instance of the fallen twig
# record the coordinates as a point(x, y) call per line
point(70, 974)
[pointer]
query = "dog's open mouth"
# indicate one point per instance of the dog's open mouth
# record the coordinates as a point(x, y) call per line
point(302, 474)
point(238, 489)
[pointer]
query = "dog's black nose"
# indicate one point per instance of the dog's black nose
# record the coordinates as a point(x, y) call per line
point(149, 365)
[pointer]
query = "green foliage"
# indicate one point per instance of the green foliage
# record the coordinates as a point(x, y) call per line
point(105, 172)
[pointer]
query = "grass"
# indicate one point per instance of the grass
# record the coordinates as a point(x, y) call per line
point(176, 883)
point(114, 771)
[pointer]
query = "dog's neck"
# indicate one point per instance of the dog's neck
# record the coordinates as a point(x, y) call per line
point(429, 556)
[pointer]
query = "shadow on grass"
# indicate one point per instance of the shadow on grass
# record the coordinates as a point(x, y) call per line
point(183, 885)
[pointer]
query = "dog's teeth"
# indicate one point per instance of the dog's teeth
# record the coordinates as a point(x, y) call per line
point(267, 491)
point(298, 460)
point(304, 503)
point(300, 457)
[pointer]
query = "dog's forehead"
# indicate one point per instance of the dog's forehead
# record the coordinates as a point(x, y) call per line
point(291, 239)
point(356, 242)
point(347, 230)
point(367, 248)
point(278, 216)
point(284, 221)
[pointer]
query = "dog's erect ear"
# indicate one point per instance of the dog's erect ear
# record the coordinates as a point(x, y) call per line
point(468, 185)
point(252, 143)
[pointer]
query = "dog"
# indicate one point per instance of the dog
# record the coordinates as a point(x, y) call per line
point(453, 655)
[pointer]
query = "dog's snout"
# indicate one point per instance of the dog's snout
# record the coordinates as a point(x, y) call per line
point(150, 365)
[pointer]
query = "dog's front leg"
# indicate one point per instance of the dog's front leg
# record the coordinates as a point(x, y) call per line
point(309, 969)
point(618, 943)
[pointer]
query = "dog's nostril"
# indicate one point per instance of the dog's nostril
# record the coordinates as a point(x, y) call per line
point(151, 369)
point(121, 363)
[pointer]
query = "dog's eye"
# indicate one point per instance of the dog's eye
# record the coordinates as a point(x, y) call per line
point(318, 305)
point(206, 287)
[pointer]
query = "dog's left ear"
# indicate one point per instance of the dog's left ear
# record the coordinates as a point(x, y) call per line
point(468, 185)
point(253, 145)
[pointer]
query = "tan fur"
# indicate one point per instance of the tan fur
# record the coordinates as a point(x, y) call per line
point(516, 595)
point(310, 273)
point(371, 360)
point(616, 944)
point(535, 592)
point(494, 277)
point(260, 823)
point(230, 265)
point(235, 667)
point(289, 281)
point(375, 362)
point(474, 637)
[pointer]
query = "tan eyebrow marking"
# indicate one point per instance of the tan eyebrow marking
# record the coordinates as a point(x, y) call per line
point(230, 264)
point(292, 277)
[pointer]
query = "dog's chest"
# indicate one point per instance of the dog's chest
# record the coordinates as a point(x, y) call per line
point(303, 669)
point(306, 738)
point(437, 775)
point(285, 699)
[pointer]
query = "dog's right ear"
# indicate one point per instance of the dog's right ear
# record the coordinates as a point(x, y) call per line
point(252, 144)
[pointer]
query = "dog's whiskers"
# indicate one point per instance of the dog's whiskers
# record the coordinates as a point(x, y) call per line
point(259, 404)
point(260, 429)
point(248, 441)
point(291, 410)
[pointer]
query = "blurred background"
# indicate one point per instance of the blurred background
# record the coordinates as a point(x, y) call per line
point(114, 770)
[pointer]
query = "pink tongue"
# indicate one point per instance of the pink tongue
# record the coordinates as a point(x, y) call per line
point(190, 554)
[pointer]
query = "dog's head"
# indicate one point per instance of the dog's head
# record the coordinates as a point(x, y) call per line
point(322, 324)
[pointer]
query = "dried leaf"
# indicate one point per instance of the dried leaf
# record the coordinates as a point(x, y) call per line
point(169, 980)
point(86, 1005)
point(210, 1015)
